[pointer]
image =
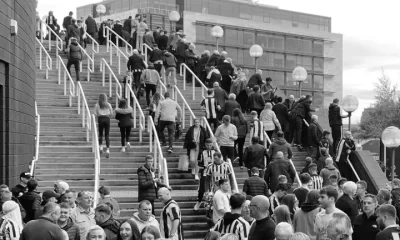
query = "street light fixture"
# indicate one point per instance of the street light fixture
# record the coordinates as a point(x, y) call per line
point(391, 139)
point(174, 17)
point(349, 104)
point(100, 9)
point(299, 75)
point(256, 51)
point(217, 32)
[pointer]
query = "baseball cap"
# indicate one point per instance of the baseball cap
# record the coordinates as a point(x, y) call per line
point(49, 194)
point(26, 175)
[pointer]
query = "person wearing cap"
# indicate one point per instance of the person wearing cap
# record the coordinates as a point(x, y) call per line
point(31, 200)
point(150, 79)
point(335, 122)
point(48, 196)
point(21, 188)
point(148, 39)
point(267, 91)
point(106, 198)
point(156, 57)
point(61, 187)
point(83, 215)
point(104, 218)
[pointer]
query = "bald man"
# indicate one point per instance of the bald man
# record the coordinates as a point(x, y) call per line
point(283, 231)
point(276, 168)
point(264, 227)
point(170, 218)
point(345, 147)
point(347, 203)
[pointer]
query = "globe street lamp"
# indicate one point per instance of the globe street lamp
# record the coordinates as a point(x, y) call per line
point(256, 51)
point(391, 139)
point(100, 9)
point(217, 32)
point(174, 17)
point(349, 104)
point(299, 75)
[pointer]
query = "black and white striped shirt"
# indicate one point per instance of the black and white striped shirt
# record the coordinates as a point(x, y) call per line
point(257, 130)
point(218, 171)
point(317, 182)
point(170, 213)
point(210, 105)
point(239, 227)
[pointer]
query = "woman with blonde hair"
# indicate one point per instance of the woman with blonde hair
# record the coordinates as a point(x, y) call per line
point(104, 112)
point(11, 222)
point(269, 119)
point(124, 115)
point(96, 232)
point(282, 214)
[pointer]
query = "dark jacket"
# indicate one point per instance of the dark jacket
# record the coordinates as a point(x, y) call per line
point(73, 31)
point(242, 128)
point(149, 40)
point(135, 63)
point(181, 47)
point(255, 101)
point(190, 57)
point(395, 195)
point(72, 230)
point(111, 228)
point(162, 42)
point(203, 61)
point(388, 233)
point(280, 145)
point(75, 52)
point(67, 22)
point(213, 60)
point(254, 186)
point(348, 206)
point(314, 136)
point(334, 115)
point(124, 116)
point(255, 79)
point(31, 202)
point(42, 229)
point(288, 104)
point(189, 144)
point(127, 25)
point(281, 112)
point(221, 96)
point(169, 60)
point(230, 105)
point(253, 156)
point(302, 108)
point(156, 55)
point(225, 68)
point(276, 168)
point(263, 229)
point(147, 188)
point(91, 26)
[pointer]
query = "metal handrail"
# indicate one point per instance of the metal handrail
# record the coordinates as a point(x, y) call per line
point(184, 103)
point(204, 89)
point(49, 61)
point(108, 36)
point(208, 127)
point(136, 105)
point(118, 53)
point(145, 46)
point(155, 148)
point(86, 115)
point(90, 62)
point(37, 141)
point(58, 39)
point(96, 151)
point(94, 42)
point(118, 87)
point(71, 82)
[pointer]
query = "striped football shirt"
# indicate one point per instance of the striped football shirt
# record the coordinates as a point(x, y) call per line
point(218, 171)
point(169, 213)
point(210, 106)
point(257, 130)
point(239, 226)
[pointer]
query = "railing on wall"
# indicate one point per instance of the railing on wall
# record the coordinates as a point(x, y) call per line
point(37, 142)
point(49, 62)
point(59, 41)
point(62, 67)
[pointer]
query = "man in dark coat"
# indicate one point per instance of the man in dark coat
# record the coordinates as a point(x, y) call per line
point(255, 185)
point(314, 138)
point(300, 111)
point(136, 65)
point(255, 102)
point(278, 167)
point(31, 200)
point(91, 26)
point(226, 70)
point(104, 218)
point(213, 60)
point(126, 29)
point(335, 121)
point(221, 97)
point(255, 79)
point(163, 40)
point(156, 34)
point(346, 202)
point(254, 156)
point(264, 226)
point(281, 112)
point(67, 20)
point(230, 105)
point(365, 225)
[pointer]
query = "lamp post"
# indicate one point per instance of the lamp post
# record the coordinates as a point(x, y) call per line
point(256, 51)
point(391, 139)
point(299, 75)
point(174, 17)
point(349, 104)
point(217, 32)
point(100, 9)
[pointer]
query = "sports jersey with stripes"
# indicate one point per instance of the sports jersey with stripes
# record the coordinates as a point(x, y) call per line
point(218, 171)
point(206, 158)
point(210, 105)
point(257, 130)
point(317, 182)
point(8, 229)
point(239, 226)
point(169, 213)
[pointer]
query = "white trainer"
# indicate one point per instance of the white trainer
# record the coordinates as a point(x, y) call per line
point(128, 145)
point(123, 149)
point(197, 206)
point(107, 153)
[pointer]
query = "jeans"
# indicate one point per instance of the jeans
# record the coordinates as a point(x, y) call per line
point(171, 70)
point(104, 124)
point(202, 186)
point(297, 124)
point(336, 136)
point(240, 143)
point(213, 121)
point(269, 133)
point(227, 152)
point(139, 42)
point(171, 131)
point(150, 88)
point(136, 81)
point(76, 65)
point(125, 134)
point(158, 67)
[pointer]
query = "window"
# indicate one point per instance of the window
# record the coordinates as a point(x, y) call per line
point(200, 49)
point(275, 16)
point(318, 64)
point(266, 15)
point(278, 78)
point(229, 9)
point(231, 37)
point(318, 48)
point(240, 56)
point(257, 14)
point(209, 38)
point(247, 59)
point(239, 37)
point(318, 100)
point(200, 33)
point(303, 21)
point(214, 8)
point(307, 46)
point(263, 60)
point(293, 44)
point(306, 84)
point(248, 38)
point(287, 19)
point(245, 11)
point(318, 82)
point(306, 62)
point(262, 40)
point(275, 42)
point(291, 62)
point(278, 60)
point(232, 53)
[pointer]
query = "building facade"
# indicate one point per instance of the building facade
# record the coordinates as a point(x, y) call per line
point(289, 39)
point(17, 88)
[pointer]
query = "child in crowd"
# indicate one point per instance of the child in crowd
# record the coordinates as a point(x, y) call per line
point(333, 181)
point(316, 180)
point(308, 162)
point(275, 199)
point(256, 128)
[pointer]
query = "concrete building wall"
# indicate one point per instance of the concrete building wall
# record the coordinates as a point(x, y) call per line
point(17, 89)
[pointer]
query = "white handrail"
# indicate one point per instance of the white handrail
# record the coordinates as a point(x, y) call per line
point(118, 53)
point(204, 89)
point(108, 37)
point(155, 148)
point(86, 115)
point(49, 61)
point(145, 51)
point(208, 127)
point(90, 62)
point(96, 151)
point(71, 83)
point(37, 142)
point(136, 105)
point(184, 104)
point(58, 39)
point(94, 42)
point(118, 87)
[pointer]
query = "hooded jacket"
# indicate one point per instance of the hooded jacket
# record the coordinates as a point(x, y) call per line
point(213, 60)
point(74, 53)
point(111, 228)
point(334, 115)
point(147, 187)
point(169, 60)
point(124, 115)
point(141, 224)
point(150, 76)
point(303, 220)
point(327, 171)
point(72, 230)
point(280, 145)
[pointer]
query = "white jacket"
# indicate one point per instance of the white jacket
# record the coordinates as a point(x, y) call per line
point(141, 224)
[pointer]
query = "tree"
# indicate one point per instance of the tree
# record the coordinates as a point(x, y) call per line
point(386, 111)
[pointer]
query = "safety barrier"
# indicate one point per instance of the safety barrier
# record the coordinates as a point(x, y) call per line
point(59, 41)
point(118, 87)
point(106, 33)
point(49, 62)
point(71, 83)
point(37, 142)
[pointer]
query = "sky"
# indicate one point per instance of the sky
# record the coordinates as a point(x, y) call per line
point(370, 38)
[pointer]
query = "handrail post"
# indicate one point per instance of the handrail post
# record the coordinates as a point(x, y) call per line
point(150, 134)
point(79, 101)
point(40, 59)
point(65, 83)
point(110, 84)
point(59, 74)
point(104, 75)
point(184, 77)
point(194, 87)
point(134, 114)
